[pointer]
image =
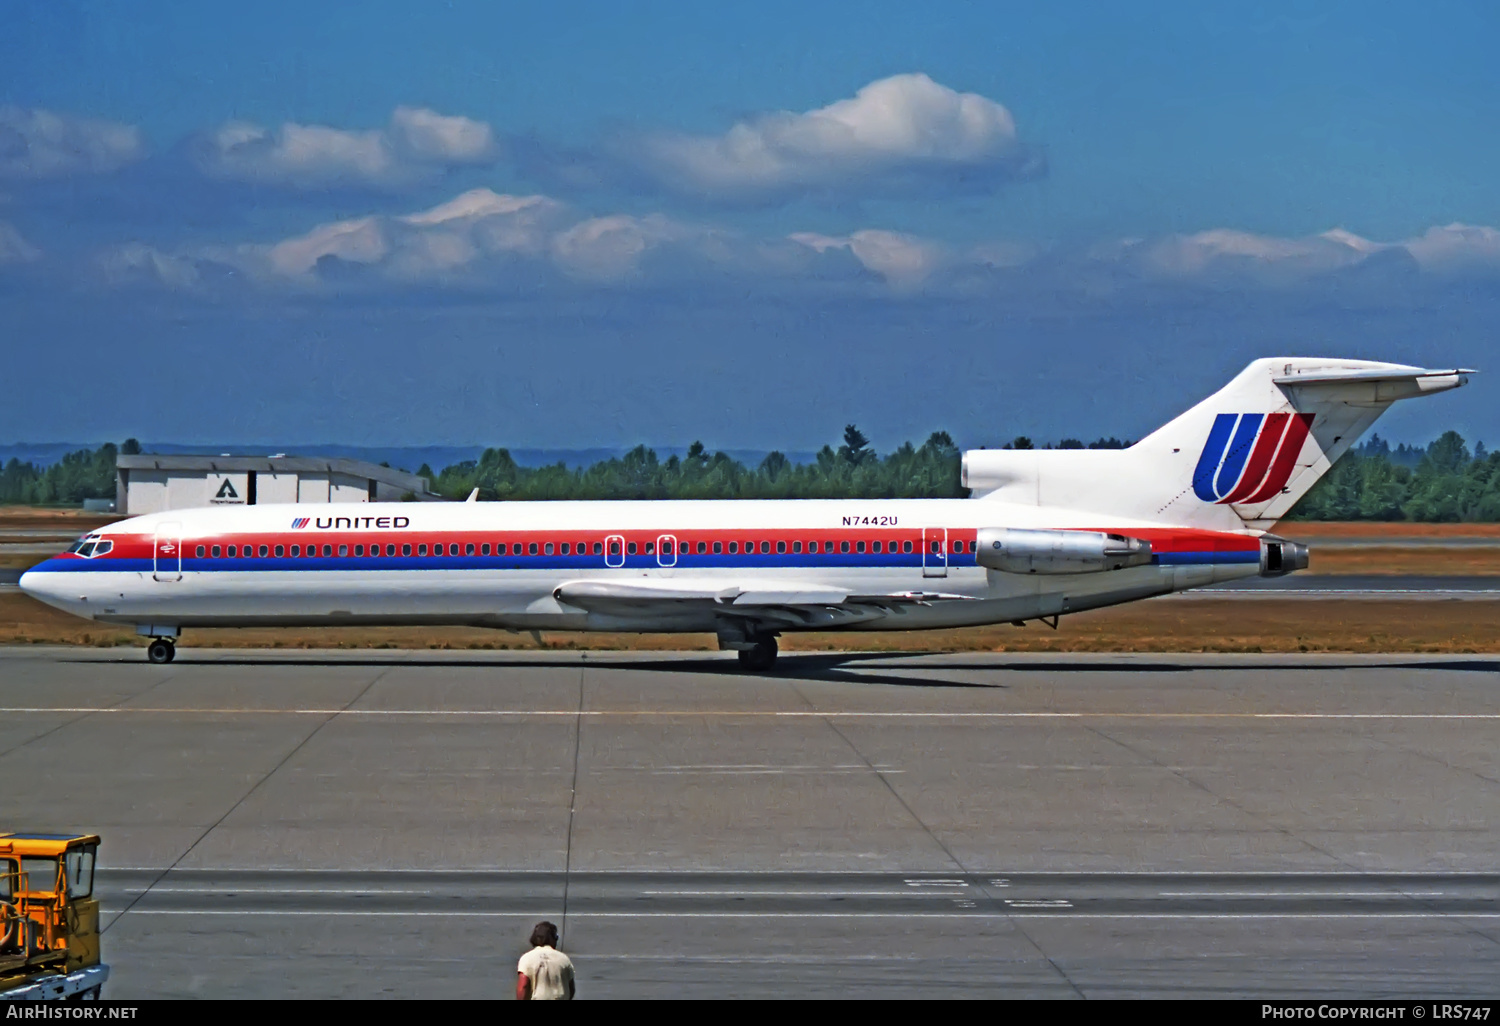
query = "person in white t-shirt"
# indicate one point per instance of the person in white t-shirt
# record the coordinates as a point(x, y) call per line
point(544, 973)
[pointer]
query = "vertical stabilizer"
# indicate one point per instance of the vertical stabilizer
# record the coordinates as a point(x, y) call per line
point(1241, 457)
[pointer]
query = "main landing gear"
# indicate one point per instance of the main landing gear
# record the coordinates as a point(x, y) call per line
point(761, 655)
point(161, 650)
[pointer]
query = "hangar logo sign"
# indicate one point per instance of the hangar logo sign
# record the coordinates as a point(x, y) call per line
point(226, 490)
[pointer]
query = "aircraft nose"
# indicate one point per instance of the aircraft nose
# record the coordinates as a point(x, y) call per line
point(39, 585)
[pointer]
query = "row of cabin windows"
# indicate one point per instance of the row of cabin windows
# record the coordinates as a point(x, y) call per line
point(567, 548)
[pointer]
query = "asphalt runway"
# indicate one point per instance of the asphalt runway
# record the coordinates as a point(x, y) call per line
point(324, 824)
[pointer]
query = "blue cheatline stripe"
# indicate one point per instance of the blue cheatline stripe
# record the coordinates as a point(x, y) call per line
point(1239, 452)
point(723, 561)
point(1213, 455)
point(1198, 558)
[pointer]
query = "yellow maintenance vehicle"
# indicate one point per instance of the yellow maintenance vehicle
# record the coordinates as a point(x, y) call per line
point(49, 918)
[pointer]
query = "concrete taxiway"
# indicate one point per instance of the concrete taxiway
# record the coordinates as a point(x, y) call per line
point(365, 823)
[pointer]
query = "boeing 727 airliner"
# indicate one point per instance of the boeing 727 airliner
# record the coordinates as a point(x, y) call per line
point(1046, 533)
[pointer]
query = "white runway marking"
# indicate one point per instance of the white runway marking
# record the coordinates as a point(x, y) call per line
point(820, 915)
point(733, 714)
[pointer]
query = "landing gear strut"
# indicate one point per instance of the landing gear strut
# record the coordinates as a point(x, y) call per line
point(761, 655)
point(161, 650)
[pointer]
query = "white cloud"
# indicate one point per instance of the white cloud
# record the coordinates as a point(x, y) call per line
point(136, 264)
point(360, 241)
point(417, 144)
point(891, 133)
point(14, 249)
point(43, 144)
point(1227, 251)
point(1456, 248)
point(610, 249)
point(904, 261)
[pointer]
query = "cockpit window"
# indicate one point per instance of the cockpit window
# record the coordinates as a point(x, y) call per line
point(85, 549)
point(102, 547)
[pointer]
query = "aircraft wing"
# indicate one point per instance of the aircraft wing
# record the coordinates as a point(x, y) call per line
point(782, 604)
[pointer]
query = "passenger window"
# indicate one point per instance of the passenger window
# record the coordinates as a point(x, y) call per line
point(262, 552)
point(614, 548)
point(906, 546)
point(199, 552)
point(359, 550)
point(765, 547)
point(859, 546)
point(937, 546)
point(531, 548)
point(547, 549)
point(468, 548)
point(296, 550)
point(666, 548)
point(875, 546)
point(843, 546)
point(499, 548)
point(343, 550)
point(484, 549)
point(796, 546)
point(406, 550)
point(718, 548)
point(781, 546)
point(650, 548)
point(958, 546)
point(599, 548)
point(231, 551)
point(215, 551)
point(421, 550)
point(327, 550)
point(630, 548)
point(702, 548)
point(280, 551)
point(734, 547)
point(812, 546)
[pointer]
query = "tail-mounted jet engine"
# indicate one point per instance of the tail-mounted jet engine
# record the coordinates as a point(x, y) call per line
point(1279, 556)
point(1020, 551)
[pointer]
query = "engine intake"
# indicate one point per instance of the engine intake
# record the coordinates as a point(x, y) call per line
point(1021, 551)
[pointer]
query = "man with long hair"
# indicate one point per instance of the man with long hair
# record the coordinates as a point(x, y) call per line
point(544, 973)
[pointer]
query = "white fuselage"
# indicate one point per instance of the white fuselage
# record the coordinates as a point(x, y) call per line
point(504, 564)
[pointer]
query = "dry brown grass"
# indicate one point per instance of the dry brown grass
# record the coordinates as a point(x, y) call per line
point(1162, 625)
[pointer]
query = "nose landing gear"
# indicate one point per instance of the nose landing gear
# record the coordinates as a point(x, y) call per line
point(161, 650)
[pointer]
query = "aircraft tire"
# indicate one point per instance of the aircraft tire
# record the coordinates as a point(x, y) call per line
point(161, 651)
point(762, 657)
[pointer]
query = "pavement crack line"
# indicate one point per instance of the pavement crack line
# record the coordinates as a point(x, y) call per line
point(245, 797)
point(1198, 785)
point(1392, 746)
point(92, 712)
point(953, 858)
point(572, 807)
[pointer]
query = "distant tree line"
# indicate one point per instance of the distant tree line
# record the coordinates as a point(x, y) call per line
point(77, 476)
point(853, 470)
point(1442, 482)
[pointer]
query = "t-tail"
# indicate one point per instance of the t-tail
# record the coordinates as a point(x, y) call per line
point(1240, 458)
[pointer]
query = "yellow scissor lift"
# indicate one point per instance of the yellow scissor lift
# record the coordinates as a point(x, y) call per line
point(49, 918)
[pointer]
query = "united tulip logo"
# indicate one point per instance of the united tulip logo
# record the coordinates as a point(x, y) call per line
point(1249, 457)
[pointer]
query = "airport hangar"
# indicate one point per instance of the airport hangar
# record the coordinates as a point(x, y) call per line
point(154, 482)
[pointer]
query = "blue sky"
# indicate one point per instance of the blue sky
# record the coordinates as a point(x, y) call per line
point(596, 224)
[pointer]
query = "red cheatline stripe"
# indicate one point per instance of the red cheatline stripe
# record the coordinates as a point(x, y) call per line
point(1260, 457)
point(1286, 458)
